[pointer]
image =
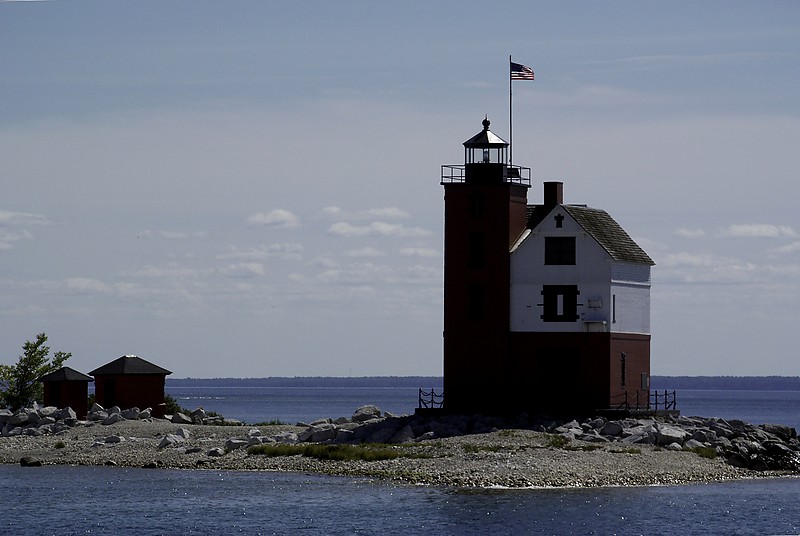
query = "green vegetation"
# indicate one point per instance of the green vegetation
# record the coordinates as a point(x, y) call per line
point(703, 452)
point(273, 422)
point(59, 445)
point(556, 442)
point(18, 383)
point(482, 448)
point(173, 407)
point(367, 453)
point(626, 450)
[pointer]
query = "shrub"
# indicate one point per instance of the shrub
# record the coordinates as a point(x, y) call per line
point(704, 452)
point(59, 445)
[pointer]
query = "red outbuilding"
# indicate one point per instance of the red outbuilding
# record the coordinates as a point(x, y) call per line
point(129, 382)
point(66, 387)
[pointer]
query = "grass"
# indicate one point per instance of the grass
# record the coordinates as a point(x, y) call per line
point(273, 422)
point(367, 452)
point(626, 450)
point(704, 452)
point(59, 445)
point(482, 448)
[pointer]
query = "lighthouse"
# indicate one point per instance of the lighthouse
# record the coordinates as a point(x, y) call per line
point(547, 305)
point(485, 203)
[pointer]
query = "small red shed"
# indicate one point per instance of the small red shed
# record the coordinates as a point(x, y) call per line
point(129, 382)
point(67, 387)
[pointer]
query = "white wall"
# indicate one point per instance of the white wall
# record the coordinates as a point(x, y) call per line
point(597, 276)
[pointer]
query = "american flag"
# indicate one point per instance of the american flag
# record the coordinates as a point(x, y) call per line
point(521, 72)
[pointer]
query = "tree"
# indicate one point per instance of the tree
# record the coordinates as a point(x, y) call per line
point(19, 384)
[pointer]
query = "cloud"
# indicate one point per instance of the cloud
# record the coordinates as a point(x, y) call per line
point(181, 234)
point(9, 218)
point(690, 233)
point(87, 285)
point(274, 218)
point(243, 270)
point(419, 252)
point(7, 238)
point(377, 228)
point(758, 230)
point(366, 252)
point(284, 251)
point(794, 247)
point(386, 213)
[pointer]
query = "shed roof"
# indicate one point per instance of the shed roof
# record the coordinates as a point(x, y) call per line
point(600, 226)
point(129, 364)
point(66, 374)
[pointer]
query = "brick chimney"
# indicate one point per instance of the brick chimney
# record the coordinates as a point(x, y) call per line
point(553, 193)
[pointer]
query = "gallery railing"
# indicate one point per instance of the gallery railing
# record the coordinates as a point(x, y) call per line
point(654, 401)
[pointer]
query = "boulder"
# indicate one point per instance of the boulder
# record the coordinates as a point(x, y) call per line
point(216, 452)
point(64, 414)
point(30, 461)
point(20, 418)
point(145, 414)
point(784, 432)
point(96, 408)
point(5, 415)
point(180, 418)
point(113, 439)
point(288, 438)
point(405, 434)
point(131, 414)
point(366, 413)
point(111, 419)
point(198, 415)
point(182, 432)
point(611, 428)
point(667, 434)
point(170, 440)
point(233, 444)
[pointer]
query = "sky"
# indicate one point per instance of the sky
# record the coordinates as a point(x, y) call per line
point(251, 189)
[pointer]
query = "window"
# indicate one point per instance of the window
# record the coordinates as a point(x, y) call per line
point(560, 303)
point(622, 367)
point(559, 250)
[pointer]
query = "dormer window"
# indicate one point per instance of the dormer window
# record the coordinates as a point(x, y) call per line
point(559, 250)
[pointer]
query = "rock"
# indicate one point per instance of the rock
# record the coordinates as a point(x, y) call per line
point(145, 414)
point(30, 461)
point(111, 419)
point(180, 418)
point(114, 409)
point(65, 414)
point(234, 444)
point(19, 419)
point(366, 413)
point(98, 416)
point(198, 415)
point(287, 438)
point(611, 428)
point(110, 463)
point(113, 439)
point(193, 450)
point(784, 432)
point(131, 414)
point(170, 440)
point(254, 432)
point(183, 433)
point(5, 416)
point(667, 434)
point(674, 446)
point(405, 434)
point(96, 408)
point(216, 452)
point(693, 444)
point(326, 432)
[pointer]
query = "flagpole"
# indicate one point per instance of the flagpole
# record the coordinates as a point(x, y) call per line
point(510, 118)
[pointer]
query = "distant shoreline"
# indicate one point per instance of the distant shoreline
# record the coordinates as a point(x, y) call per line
point(723, 383)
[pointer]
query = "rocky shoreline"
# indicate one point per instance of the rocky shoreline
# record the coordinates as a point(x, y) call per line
point(442, 450)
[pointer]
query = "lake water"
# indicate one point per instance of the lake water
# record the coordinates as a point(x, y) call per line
point(109, 500)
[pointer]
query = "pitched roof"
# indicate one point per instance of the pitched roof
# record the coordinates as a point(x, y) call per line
point(600, 226)
point(66, 374)
point(129, 364)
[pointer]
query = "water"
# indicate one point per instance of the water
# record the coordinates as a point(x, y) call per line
point(109, 500)
point(293, 404)
point(105, 500)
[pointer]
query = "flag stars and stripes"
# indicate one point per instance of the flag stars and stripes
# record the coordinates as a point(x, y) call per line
point(521, 72)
